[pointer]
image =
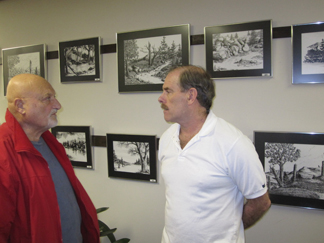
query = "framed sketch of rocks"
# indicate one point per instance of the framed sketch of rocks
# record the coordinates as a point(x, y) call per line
point(294, 166)
point(308, 53)
point(77, 143)
point(145, 56)
point(132, 156)
point(239, 50)
point(80, 60)
point(23, 59)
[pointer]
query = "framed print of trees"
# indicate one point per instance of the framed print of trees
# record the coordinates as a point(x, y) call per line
point(145, 56)
point(308, 53)
point(294, 166)
point(80, 60)
point(239, 50)
point(132, 156)
point(23, 59)
point(77, 143)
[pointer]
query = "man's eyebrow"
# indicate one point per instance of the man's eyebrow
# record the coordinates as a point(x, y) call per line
point(48, 94)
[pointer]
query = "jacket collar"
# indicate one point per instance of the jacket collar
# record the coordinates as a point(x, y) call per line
point(21, 141)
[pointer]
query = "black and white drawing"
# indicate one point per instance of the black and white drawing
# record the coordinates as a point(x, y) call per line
point(24, 63)
point(313, 53)
point(25, 59)
point(308, 53)
point(147, 60)
point(74, 144)
point(80, 60)
point(145, 57)
point(76, 141)
point(295, 169)
point(239, 50)
point(294, 166)
point(132, 156)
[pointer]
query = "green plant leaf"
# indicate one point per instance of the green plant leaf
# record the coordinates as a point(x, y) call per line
point(99, 210)
point(104, 233)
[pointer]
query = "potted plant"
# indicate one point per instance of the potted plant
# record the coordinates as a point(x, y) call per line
point(106, 231)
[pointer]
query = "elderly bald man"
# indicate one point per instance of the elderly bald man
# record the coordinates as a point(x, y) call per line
point(41, 198)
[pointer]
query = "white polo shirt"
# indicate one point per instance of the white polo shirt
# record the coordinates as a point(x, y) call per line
point(206, 183)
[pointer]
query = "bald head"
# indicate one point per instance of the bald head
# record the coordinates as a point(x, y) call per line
point(22, 86)
point(32, 101)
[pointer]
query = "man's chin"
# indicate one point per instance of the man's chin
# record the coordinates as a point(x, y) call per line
point(52, 124)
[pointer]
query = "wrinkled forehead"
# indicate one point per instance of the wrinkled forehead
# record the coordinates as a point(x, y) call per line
point(38, 88)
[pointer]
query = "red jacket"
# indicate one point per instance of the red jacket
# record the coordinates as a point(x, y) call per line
point(29, 211)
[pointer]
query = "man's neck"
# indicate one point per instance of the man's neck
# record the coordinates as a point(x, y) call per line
point(189, 129)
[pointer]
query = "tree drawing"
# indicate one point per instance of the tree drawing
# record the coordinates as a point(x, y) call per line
point(130, 53)
point(148, 60)
point(280, 154)
point(142, 150)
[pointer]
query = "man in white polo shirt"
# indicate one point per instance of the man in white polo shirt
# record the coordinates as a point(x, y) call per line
point(209, 167)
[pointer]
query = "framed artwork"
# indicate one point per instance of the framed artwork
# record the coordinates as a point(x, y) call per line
point(23, 59)
point(77, 143)
point(80, 60)
point(294, 166)
point(308, 53)
point(132, 157)
point(239, 50)
point(145, 56)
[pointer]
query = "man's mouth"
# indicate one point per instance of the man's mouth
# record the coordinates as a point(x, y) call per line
point(53, 113)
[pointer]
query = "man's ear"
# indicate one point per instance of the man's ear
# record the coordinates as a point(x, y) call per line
point(19, 105)
point(192, 95)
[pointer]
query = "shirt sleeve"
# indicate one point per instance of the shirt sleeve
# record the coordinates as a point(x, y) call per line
point(246, 169)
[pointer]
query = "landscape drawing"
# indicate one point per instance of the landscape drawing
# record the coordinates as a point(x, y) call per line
point(131, 157)
point(312, 45)
point(240, 50)
point(295, 169)
point(79, 60)
point(148, 60)
point(74, 144)
point(24, 63)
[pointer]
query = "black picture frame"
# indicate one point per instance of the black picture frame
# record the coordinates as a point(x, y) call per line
point(77, 143)
point(308, 64)
point(168, 46)
point(300, 181)
point(80, 60)
point(239, 50)
point(124, 160)
point(23, 59)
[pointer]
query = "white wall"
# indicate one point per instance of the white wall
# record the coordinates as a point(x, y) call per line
point(271, 104)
